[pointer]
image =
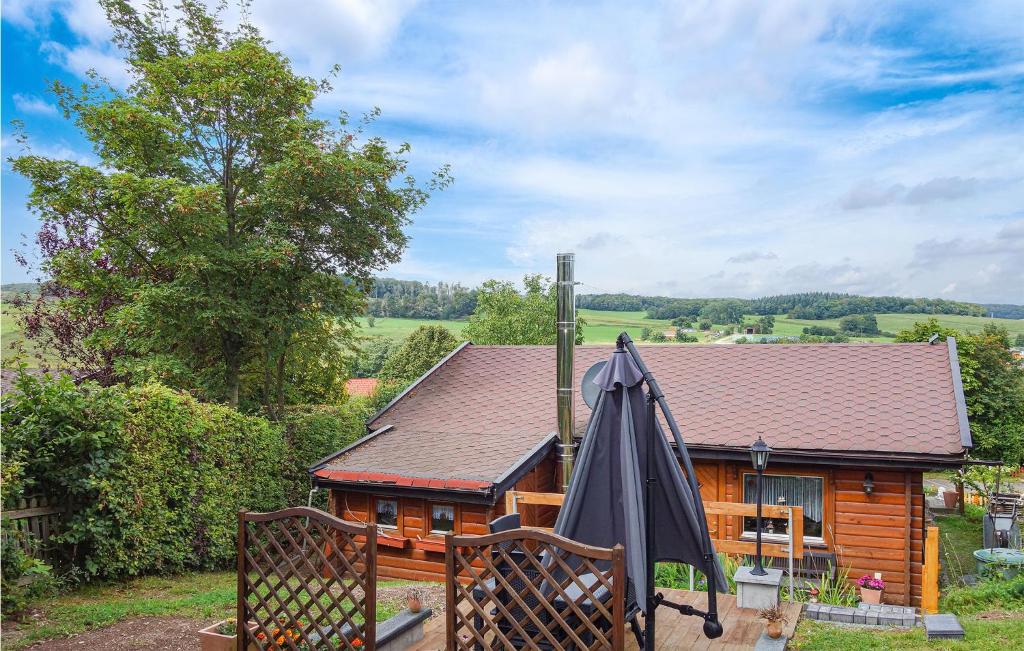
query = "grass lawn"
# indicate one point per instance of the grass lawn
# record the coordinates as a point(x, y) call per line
point(959, 537)
point(995, 632)
point(206, 596)
point(991, 612)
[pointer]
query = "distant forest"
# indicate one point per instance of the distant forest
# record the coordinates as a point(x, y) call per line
point(810, 305)
point(412, 299)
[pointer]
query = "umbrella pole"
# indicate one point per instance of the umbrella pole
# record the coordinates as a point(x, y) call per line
point(652, 604)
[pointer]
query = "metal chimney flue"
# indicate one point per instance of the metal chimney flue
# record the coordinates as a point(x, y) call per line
point(566, 320)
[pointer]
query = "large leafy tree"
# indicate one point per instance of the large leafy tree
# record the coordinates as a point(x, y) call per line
point(504, 315)
point(993, 387)
point(224, 222)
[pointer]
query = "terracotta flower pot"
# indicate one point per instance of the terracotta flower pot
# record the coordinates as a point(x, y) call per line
point(415, 605)
point(950, 499)
point(870, 596)
point(774, 629)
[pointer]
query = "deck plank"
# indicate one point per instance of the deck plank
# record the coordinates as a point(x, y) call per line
point(675, 631)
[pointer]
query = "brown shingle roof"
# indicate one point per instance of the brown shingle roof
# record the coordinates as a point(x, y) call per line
point(488, 406)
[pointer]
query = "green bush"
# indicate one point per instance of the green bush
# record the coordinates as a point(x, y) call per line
point(313, 432)
point(986, 595)
point(152, 477)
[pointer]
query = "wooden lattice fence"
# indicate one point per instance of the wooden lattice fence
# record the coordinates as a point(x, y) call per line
point(530, 589)
point(306, 580)
point(35, 520)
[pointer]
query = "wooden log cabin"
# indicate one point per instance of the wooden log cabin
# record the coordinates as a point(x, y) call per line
point(853, 428)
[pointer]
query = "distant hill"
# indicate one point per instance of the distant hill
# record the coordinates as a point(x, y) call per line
point(808, 305)
point(20, 288)
point(1004, 310)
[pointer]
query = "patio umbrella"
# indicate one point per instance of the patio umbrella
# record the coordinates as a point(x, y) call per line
point(627, 487)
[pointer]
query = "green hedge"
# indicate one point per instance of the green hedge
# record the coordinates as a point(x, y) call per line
point(153, 477)
point(313, 432)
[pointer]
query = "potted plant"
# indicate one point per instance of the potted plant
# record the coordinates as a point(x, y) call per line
point(220, 636)
point(774, 618)
point(812, 594)
point(871, 589)
point(415, 600)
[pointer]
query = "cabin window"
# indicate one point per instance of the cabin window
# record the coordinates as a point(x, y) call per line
point(786, 490)
point(442, 518)
point(387, 513)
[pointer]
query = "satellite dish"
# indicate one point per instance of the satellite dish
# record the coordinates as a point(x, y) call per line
point(590, 390)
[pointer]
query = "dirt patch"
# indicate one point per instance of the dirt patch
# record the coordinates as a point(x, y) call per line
point(164, 633)
point(396, 597)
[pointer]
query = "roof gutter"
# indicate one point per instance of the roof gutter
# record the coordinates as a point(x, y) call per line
point(836, 458)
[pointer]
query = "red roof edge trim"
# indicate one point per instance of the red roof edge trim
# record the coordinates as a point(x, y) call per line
point(400, 480)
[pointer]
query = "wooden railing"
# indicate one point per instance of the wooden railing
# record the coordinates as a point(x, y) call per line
point(526, 588)
point(36, 520)
point(306, 579)
point(794, 514)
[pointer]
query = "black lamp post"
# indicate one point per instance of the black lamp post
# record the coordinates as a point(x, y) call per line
point(759, 452)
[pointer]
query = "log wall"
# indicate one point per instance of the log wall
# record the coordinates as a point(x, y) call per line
point(882, 532)
point(416, 564)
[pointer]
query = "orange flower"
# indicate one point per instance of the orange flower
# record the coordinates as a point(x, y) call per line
point(357, 642)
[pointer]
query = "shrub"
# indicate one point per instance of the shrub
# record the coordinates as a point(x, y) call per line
point(313, 432)
point(989, 594)
point(421, 350)
point(24, 578)
point(152, 477)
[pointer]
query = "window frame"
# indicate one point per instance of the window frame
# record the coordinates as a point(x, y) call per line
point(428, 514)
point(397, 527)
point(809, 541)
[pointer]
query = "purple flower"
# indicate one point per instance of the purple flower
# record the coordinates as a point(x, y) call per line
point(870, 582)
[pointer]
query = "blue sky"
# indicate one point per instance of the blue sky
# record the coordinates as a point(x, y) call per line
point(713, 148)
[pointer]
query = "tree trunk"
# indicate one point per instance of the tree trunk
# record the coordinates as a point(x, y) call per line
point(280, 379)
point(231, 347)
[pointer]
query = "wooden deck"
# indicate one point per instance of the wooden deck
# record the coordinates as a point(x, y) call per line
point(675, 631)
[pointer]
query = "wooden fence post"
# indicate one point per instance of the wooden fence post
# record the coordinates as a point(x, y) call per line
point(930, 578)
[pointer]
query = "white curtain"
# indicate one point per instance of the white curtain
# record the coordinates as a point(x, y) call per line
point(807, 492)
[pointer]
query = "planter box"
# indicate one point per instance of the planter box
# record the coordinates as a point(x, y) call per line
point(211, 640)
point(429, 545)
point(392, 541)
point(950, 499)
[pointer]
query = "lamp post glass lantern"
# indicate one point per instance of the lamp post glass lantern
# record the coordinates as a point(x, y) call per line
point(759, 452)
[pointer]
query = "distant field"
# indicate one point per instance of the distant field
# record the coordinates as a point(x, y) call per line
point(10, 335)
point(896, 322)
point(402, 328)
point(603, 326)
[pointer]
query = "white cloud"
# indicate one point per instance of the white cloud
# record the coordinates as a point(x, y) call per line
point(32, 104)
point(801, 140)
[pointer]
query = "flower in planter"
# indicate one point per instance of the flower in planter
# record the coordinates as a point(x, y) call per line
point(869, 582)
point(228, 627)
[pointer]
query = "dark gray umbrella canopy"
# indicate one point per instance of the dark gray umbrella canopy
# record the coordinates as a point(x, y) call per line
point(605, 501)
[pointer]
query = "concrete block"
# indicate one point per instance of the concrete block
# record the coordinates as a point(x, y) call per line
point(909, 621)
point(753, 591)
point(402, 631)
point(944, 626)
point(871, 618)
point(890, 619)
point(860, 617)
point(843, 616)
